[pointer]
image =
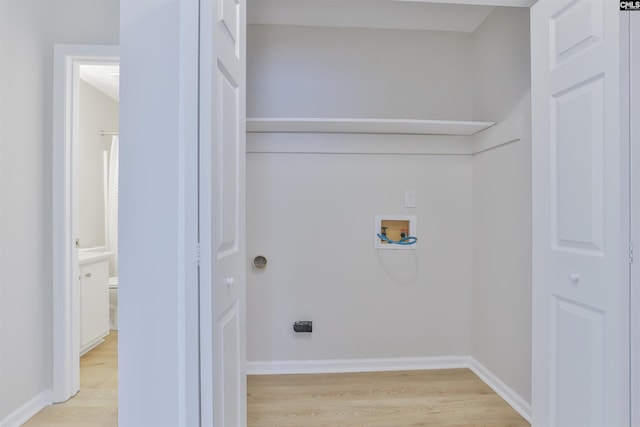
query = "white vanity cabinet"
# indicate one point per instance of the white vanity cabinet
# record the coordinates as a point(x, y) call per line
point(94, 296)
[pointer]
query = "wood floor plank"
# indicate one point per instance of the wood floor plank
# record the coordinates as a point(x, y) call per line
point(442, 398)
point(452, 397)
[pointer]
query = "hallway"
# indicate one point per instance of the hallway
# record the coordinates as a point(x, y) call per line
point(96, 404)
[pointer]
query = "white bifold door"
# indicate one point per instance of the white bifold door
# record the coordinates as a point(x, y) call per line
point(580, 214)
point(222, 212)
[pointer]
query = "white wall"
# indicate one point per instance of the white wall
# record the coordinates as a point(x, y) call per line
point(312, 215)
point(28, 31)
point(157, 294)
point(98, 112)
point(501, 297)
point(341, 72)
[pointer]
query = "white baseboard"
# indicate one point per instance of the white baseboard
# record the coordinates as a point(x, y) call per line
point(28, 410)
point(504, 391)
point(355, 365)
point(394, 364)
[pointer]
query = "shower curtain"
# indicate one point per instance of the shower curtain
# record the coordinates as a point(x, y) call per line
point(112, 207)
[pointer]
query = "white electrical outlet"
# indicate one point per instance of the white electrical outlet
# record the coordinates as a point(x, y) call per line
point(410, 198)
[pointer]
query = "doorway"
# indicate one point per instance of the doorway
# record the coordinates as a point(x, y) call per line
point(302, 192)
point(77, 327)
point(95, 190)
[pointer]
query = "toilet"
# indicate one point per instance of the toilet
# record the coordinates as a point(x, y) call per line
point(113, 303)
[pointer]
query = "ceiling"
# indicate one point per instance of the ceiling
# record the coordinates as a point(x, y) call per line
point(436, 15)
point(105, 78)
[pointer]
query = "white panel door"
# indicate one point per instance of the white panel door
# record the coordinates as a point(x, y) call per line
point(580, 217)
point(222, 212)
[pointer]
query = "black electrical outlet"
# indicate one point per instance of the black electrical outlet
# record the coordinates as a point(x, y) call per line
point(303, 326)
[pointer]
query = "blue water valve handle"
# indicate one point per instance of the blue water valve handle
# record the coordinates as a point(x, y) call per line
point(409, 240)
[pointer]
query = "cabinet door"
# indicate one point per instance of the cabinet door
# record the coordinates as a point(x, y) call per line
point(95, 302)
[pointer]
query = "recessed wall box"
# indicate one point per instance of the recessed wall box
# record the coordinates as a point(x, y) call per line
point(395, 228)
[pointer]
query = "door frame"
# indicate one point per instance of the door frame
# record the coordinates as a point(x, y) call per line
point(633, 127)
point(66, 301)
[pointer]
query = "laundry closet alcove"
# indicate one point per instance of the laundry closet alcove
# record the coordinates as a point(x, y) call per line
point(341, 122)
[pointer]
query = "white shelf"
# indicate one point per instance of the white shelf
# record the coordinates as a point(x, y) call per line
point(377, 126)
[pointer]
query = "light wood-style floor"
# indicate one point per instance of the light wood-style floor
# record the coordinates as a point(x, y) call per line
point(454, 397)
point(96, 404)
